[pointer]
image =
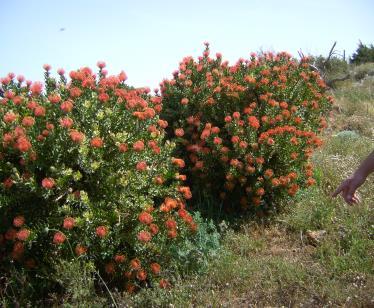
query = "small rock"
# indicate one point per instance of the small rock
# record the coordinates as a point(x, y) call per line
point(315, 237)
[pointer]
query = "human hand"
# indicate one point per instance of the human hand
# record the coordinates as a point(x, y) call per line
point(348, 189)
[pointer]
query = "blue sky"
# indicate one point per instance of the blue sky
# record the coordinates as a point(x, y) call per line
point(147, 39)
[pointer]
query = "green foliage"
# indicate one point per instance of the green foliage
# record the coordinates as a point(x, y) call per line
point(363, 54)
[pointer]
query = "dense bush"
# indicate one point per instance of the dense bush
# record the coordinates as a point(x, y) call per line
point(246, 131)
point(363, 54)
point(85, 173)
point(334, 67)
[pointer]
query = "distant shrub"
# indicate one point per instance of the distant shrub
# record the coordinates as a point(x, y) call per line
point(363, 54)
point(246, 131)
point(335, 67)
point(85, 173)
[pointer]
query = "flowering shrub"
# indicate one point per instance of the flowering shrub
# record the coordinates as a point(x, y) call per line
point(85, 173)
point(246, 131)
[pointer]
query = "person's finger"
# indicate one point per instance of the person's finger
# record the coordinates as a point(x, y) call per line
point(355, 200)
point(351, 191)
point(339, 189)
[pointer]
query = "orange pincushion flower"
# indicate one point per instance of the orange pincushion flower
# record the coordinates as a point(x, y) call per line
point(141, 275)
point(23, 234)
point(69, 223)
point(260, 191)
point(185, 190)
point(171, 224)
point(144, 236)
point(310, 182)
point(138, 146)
point(28, 121)
point(97, 142)
point(235, 139)
point(66, 106)
point(172, 233)
point(10, 234)
point(155, 268)
point(76, 136)
point(59, 238)
point(48, 183)
point(153, 228)
point(141, 166)
point(268, 173)
point(18, 221)
point(145, 218)
point(80, 250)
point(135, 264)
point(184, 101)
point(122, 147)
point(110, 268)
point(130, 287)
point(101, 231)
point(275, 182)
point(294, 155)
point(66, 122)
point(159, 180)
point(23, 144)
point(178, 162)
point(162, 123)
point(8, 183)
point(164, 284)
point(119, 258)
point(179, 132)
point(39, 111)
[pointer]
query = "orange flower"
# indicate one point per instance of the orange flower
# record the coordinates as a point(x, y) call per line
point(66, 106)
point(184, 101)
point(185, 190)
point(179, 132)
point(145, 218)
point(178, 162)
point(59, 238)
point(110, 268)
point(141, 275)
point(76, 136)
point(260, 191)
point(138, 146)
point(153, 228)
point(172, 233)
point(28, 121)
point(171, 224)
point(141, 166)
point(48, 183)
point(144, 236)
point(66, 122)
point(101, 231)
point(69, 223)
point(97, 142)
point(18, 221)
point(119, 258)
point(135, 264)
point(122, 147)
point(164, 284)
point(155, 268)
point(23, 144)
point(268, 173)
point(23, 234)
point(80, 250)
